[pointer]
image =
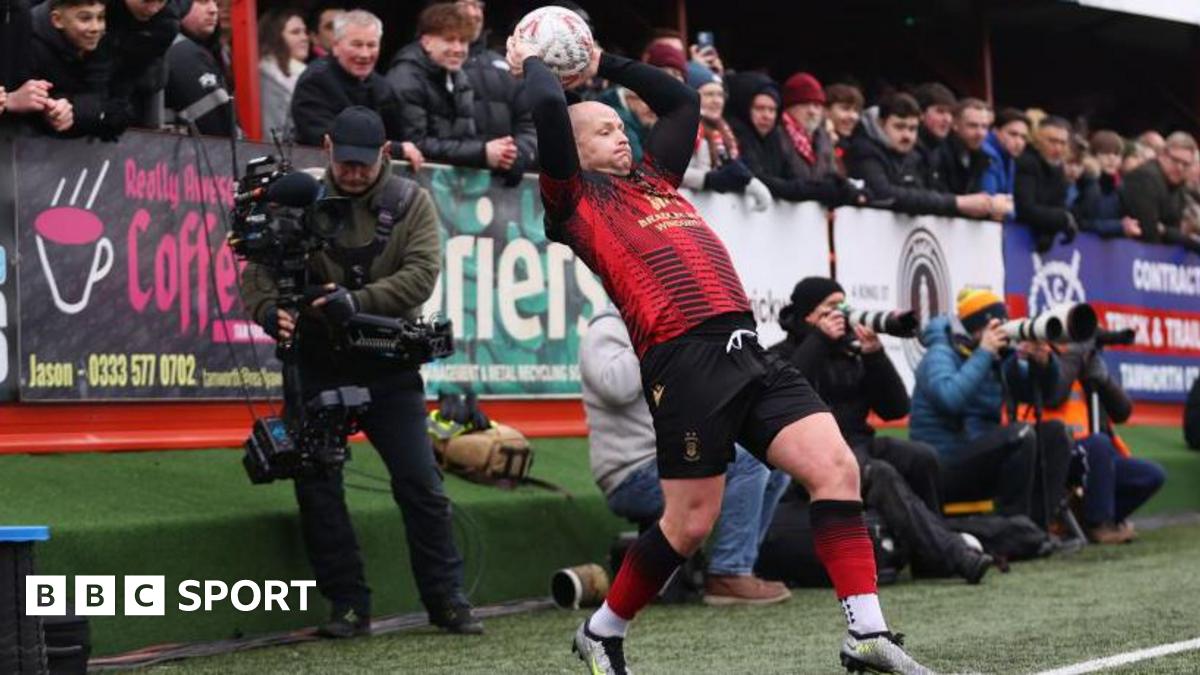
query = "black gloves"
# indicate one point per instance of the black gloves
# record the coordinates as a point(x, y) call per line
point(340, 306)
point(270, 322)
point(1070, 231)
point(115, 117)
point(732, 176)
point(851, 192)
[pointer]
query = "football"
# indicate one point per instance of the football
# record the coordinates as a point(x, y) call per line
point(560, 37)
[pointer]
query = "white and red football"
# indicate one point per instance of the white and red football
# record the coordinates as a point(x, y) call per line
point(560, 37)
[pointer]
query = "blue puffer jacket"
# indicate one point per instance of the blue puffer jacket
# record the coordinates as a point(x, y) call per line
point(999, 178)
point(959, 398)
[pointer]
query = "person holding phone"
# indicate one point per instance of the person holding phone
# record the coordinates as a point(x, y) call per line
point(705, 53)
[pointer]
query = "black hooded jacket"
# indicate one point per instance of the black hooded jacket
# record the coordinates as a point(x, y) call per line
point(500, 108)
point(767, 155)
point(851, 384)
point(1040, 197)
point(439, 121)
point(82, 79)
point(138, 46)
point(896, 181)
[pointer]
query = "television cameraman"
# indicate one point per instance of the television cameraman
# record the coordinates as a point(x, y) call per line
point(848, 367)
point(390, 275)
point(964, 382)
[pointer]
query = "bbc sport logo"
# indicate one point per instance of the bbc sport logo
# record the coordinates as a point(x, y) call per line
point(146, 595)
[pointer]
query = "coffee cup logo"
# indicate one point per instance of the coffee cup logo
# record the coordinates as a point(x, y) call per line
point(65, 227)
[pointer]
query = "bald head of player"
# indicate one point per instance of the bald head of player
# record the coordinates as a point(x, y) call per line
point(600, 138)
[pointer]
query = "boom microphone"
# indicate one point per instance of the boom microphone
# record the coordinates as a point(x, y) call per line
point(297, 190)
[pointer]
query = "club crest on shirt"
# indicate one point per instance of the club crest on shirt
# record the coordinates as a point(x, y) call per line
point(657, 391)
point(691, 446)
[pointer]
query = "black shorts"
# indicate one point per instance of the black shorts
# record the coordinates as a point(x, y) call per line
point(707, 390)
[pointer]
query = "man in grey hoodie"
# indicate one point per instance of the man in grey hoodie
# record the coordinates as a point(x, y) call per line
point(621, 447)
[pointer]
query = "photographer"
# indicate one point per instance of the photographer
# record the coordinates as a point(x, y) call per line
point(391, 274)
point(963, 383)
point(1117, 483)
point(853, 375)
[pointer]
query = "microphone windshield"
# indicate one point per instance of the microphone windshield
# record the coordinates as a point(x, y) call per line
point(296, 189)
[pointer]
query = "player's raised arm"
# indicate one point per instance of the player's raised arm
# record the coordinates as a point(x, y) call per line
point(677, 105)
point(545, 98)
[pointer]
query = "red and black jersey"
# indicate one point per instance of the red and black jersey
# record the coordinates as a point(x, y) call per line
point(660, 263)
point(658, 260)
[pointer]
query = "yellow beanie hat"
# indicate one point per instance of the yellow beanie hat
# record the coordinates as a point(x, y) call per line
point(977, 306)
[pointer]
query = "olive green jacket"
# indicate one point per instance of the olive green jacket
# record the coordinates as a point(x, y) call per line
point(402, 276)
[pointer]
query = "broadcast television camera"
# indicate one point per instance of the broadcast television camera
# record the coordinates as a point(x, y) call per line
point(280, 219)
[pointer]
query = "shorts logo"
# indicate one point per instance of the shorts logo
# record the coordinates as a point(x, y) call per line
point(924, 284)
point(691, 446)
point(657, 391)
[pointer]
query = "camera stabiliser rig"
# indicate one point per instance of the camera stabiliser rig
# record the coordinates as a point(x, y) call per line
point(280, 219)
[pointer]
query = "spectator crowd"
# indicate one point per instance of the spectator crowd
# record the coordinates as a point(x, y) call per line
point(96, 67)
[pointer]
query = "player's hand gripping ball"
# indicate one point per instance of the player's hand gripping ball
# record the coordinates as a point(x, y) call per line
point(560, 37)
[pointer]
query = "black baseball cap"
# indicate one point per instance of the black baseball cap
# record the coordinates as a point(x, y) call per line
point(357, 135)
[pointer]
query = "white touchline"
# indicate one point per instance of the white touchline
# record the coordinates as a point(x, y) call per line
point(1125, 658)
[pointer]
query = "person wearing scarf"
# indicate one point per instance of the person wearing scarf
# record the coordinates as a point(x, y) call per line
point(771, 154)
point(716, 163)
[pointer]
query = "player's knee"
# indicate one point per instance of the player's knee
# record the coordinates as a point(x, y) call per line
point(840, 473)
point(688, 529)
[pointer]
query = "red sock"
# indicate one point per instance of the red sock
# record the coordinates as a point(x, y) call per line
point(647, 566)
point(843, 546)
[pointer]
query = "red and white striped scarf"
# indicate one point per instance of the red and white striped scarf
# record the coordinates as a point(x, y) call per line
point(800, 139)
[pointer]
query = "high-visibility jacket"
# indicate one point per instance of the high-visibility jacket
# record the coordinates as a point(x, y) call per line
point(1076, 415)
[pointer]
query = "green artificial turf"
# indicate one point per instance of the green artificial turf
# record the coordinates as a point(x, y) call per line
point(193, 515)
point(1043, 614)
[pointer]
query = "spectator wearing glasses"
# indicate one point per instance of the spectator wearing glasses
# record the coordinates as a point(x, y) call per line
point(1154, 193)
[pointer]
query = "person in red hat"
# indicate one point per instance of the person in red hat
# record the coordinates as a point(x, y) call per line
point(793, 158)
point(803, 114)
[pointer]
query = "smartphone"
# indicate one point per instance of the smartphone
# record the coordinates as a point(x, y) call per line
point(704, 39)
